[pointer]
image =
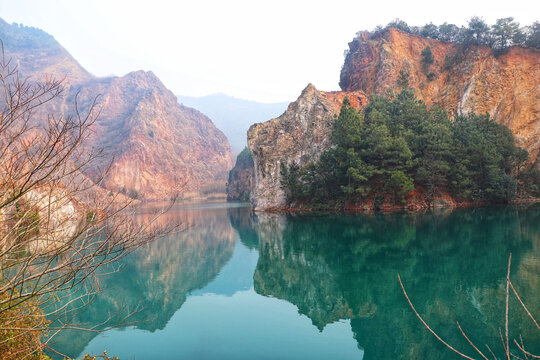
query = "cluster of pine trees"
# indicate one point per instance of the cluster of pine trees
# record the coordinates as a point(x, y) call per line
point(397, 144)
point(504, 33)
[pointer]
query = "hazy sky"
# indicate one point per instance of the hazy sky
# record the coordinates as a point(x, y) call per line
point(260, 50)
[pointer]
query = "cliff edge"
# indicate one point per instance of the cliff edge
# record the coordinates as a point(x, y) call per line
point(300, 135)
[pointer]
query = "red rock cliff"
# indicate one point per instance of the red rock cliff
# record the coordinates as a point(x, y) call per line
point(474, 79)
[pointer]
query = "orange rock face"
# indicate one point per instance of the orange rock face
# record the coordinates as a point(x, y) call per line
point(358, 99)
point(158, 148)
point(506, 86)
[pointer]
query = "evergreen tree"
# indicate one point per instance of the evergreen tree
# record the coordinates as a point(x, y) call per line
point(504, 31)
point(533, 38)
point(448, 32)
point(397, 143)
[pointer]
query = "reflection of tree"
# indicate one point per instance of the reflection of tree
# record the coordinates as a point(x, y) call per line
point(157, 279)
point(242, 219)
point(453, 265)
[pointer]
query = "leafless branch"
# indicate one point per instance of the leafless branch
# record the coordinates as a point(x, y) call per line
point(505, 343)
point(56, 225)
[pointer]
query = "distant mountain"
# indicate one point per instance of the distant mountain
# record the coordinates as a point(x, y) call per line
point(234, 116)
point(157, 148)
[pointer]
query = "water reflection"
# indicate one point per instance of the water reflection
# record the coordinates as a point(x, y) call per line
point(154, 282)
point(243, 221)
point(306, 286)
point(453, 264)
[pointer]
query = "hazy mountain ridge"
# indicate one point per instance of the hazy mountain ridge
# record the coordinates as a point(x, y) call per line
point(234, 116)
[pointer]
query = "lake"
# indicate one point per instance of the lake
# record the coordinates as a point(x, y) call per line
point(235, 285)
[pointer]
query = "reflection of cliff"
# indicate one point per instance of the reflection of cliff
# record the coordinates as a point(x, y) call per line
point(286, 272)
point(243, 221)
point(156, 279)
point(453, 265)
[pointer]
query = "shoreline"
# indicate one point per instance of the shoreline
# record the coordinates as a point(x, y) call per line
point(411, 208)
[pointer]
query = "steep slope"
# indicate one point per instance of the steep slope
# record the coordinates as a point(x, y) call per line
point(234, 116)
point(156, 148)
point(241, 178)
point(159, 147)
point(298, 136)
point(465, 80)
point(38, 54)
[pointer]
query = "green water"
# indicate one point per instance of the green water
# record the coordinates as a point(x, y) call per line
point(277, 286)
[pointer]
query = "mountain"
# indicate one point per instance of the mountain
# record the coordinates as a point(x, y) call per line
point(234, 116)
point(461, 79)
point(38, 54)
point(156, 148)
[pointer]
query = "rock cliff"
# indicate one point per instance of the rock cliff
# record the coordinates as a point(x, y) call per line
point(241, 178)
point(156, 147)
point(300, 135)
point(465, 79)
point(471, 79)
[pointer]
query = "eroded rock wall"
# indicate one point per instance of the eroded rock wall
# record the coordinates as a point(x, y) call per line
point(300, 135)
point(472, 79)
point(241, 178)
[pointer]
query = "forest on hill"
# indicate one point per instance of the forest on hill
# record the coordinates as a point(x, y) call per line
point(398, 145)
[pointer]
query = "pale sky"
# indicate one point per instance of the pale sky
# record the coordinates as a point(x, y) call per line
point(259, 50)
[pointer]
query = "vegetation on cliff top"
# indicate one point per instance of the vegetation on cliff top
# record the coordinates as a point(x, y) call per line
point(397, 144)
point(504, 33)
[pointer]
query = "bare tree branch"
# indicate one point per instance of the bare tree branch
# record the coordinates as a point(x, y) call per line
point(57, 226)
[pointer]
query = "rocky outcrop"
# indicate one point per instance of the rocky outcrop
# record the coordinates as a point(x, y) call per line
point(156, 148)
point(471, 79)
point(241, 178)
point(460, 79)
point(298, 136)
point(40, 221)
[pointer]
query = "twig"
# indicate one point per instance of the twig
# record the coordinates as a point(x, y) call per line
point(507, 348)
point(494, 357)
point(520, 338)
point(524, 307)
point(470, 342)
point(427, 326)
point(526, 352)
point(506, 352)
point(56, 352)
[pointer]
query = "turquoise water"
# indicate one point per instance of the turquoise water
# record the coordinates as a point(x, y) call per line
point(277, 286)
